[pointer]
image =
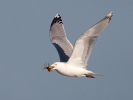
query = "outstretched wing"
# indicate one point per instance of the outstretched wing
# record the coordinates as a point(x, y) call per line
point(59, 39)
point(84, 43)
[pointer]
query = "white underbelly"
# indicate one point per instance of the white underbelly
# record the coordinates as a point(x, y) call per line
point(72, 71)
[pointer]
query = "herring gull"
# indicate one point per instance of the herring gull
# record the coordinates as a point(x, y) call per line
point(73, 61)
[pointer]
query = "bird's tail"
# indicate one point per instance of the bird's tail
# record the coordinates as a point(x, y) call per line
point(96, 74)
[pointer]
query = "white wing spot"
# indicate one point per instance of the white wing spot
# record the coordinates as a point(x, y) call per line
point(57, 16)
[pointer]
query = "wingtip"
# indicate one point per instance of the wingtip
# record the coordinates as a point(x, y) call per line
point(57, 15)
point(110, 14)
point(57, 19)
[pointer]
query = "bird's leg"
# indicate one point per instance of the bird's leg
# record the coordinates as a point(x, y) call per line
point(89, 76)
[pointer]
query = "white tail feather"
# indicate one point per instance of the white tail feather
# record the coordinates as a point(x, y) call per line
point(96, 74)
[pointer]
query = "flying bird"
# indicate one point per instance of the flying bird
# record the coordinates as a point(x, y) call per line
point(73, 60)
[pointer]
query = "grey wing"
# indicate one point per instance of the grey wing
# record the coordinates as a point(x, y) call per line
point(59, 39)
point(84, 43)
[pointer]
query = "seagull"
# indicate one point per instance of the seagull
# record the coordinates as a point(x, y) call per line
point(73, 60)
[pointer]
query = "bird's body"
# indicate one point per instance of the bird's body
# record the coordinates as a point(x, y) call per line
point(69, 70)
point(74, 60)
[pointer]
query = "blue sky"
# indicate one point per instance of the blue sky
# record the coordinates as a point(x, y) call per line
point(25, 47)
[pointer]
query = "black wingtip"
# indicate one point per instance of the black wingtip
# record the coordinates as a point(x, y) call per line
point(57, 19)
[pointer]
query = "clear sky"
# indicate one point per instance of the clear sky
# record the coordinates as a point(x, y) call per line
point(25, 47)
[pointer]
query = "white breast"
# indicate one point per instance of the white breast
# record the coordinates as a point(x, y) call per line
point(71, 71)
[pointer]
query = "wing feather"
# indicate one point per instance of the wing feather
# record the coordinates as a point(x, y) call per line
point(59, 39)
point(83, 45)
